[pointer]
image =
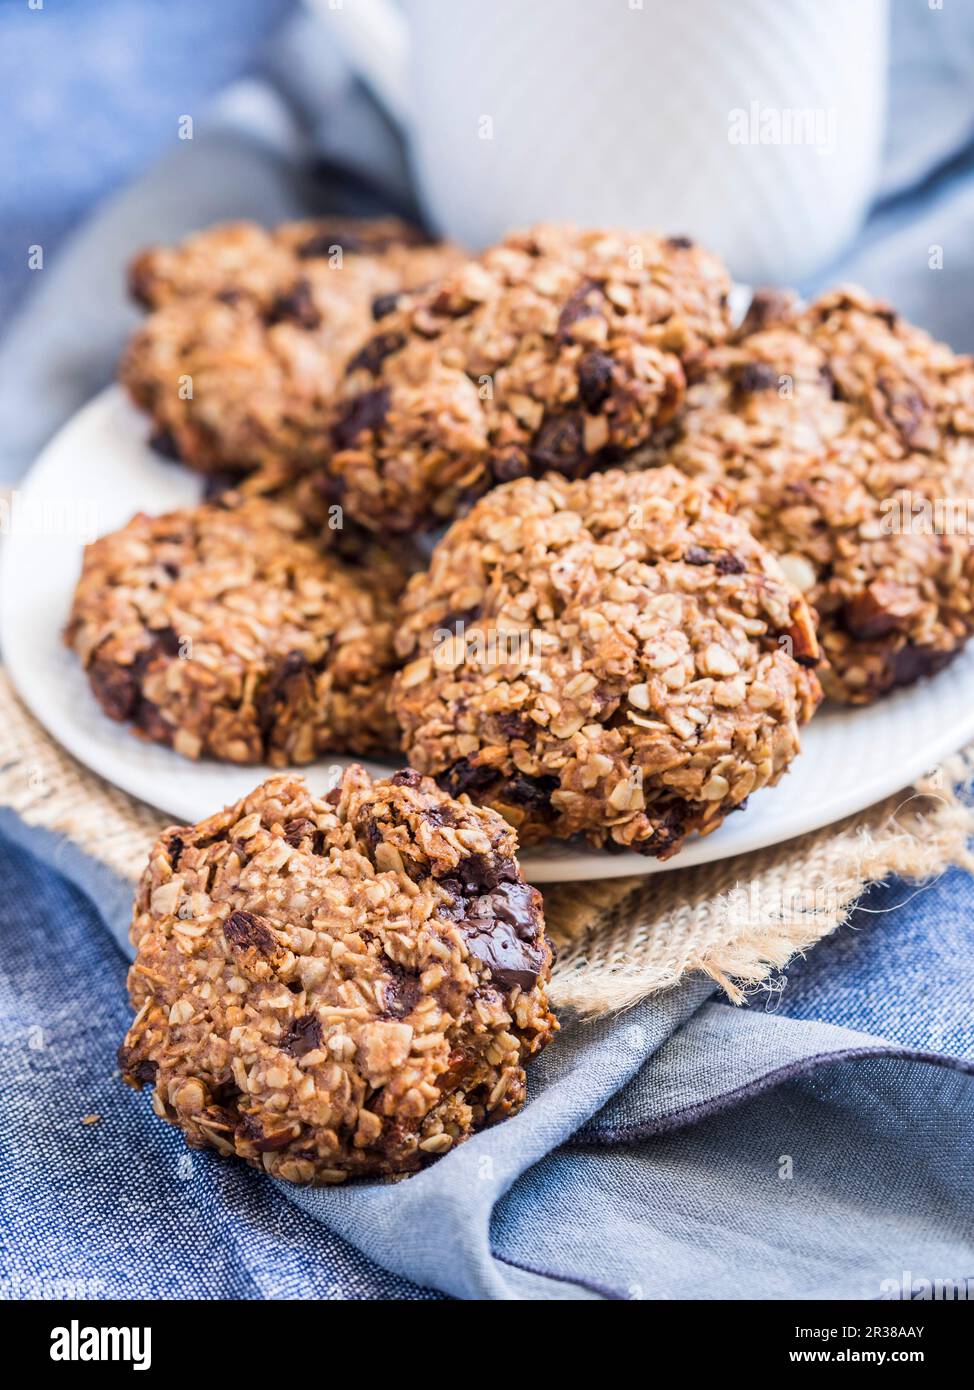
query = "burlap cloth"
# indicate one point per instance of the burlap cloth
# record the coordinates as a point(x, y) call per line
point(738, 920)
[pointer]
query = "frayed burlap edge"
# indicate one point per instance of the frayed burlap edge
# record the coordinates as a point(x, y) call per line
point(738, 921)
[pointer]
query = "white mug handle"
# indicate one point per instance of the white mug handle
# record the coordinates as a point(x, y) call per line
point(374, 37)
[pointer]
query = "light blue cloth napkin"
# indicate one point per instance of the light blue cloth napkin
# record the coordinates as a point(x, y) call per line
point(815, 1143)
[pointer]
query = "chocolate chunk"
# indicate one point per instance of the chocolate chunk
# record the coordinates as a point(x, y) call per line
point(164, 442)
point(595, 380)
point(886, 314)
point(406, 777)
point(670, 829)
point(373, 834)
point(301, 1036)
point(297, 831)
point(502, 929)
point(216, 485)
point(756, 376)
point(585, 302)
point(461, 617)
point(290, 683)
point(912, 663)
point(246, 929)
point(514, 725)
point(142, 1072)
point(882, 608)
point(829, 382)
point(560, 445)
point(115, 688)
point(251, 1132)
point(401, 992)
point(163, 644)
point(722, 560)
point(680, 243)
point(118, 688)
point(508, 464)
point(384, 304)
point(174, 848)
point(909, 414)
point(465, 776)
point(371, 357)
point(149, 721)
point(296, 305)
point(534, 792)
point(366, 411)
point(767, 307)
point(479, 873)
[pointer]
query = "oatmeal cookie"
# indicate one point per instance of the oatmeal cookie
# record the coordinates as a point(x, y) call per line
point(615, 656)
point(557, 349)
point(338, 986)
point(250, 330)
point(847, 439)
point(228, 630)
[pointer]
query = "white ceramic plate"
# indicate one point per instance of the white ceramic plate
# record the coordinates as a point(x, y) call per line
point(99, 470)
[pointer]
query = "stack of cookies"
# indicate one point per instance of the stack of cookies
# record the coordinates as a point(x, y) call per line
point(544, 521)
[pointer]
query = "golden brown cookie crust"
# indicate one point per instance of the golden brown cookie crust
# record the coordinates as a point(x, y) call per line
point(250, 329)
point(556, 349)
point(233, 630)
point(615, 656)
point(847, 439)
point(338, 986)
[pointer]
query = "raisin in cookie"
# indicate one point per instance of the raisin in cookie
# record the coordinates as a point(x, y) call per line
point(228, 630)
point(847, 439)
point(336, 987)
point(615, 656)
point(556, 349)
point(250, 330)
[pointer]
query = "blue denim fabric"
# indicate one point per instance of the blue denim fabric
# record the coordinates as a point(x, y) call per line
point(93, 91)
point(660, 1155)
point(902, 969)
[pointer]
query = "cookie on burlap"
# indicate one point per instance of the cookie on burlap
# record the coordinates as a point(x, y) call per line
point(235, 630)
point(847, 439)
point(335, 987)
point(615, 656)
point(250, 331)
point(556, 349)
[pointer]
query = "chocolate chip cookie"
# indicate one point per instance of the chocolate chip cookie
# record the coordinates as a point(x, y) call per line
point(615, 656)
point(235, 630)
point(847, 439)
point(338, 986)
point(250, 330)
point(557, 349)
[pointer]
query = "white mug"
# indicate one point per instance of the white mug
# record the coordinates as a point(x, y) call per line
point(753, 125)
